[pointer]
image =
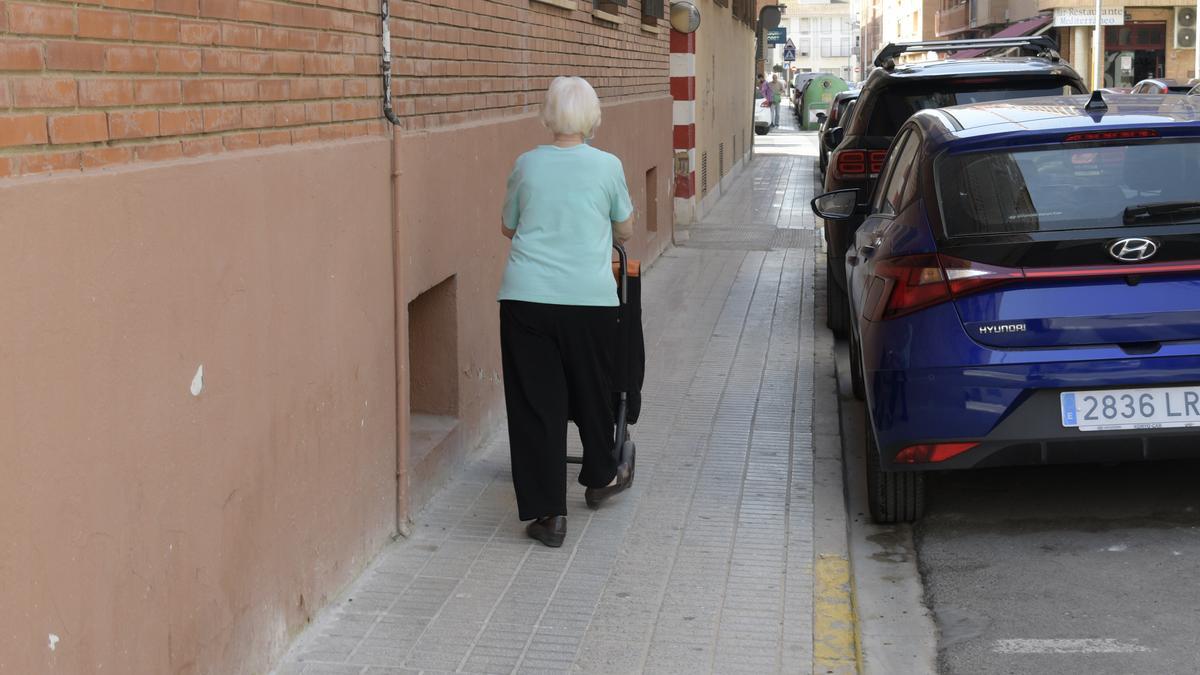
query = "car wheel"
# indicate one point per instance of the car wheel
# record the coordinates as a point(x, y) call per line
point(837, 306)
point(893, 496)
point(857, 384)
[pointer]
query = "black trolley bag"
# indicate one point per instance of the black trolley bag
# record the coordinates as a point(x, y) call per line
point(630, 355)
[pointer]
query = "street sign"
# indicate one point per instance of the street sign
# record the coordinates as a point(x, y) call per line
point(777, 36)
point(1086, 16)
point(789, 53)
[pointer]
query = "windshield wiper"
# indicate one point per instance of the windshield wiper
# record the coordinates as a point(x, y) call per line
point(1142, 212)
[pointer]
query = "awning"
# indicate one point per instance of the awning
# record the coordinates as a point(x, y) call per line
point(1018, 29)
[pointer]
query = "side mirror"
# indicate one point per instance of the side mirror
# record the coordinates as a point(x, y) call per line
point(821, 117)
point(836, 205)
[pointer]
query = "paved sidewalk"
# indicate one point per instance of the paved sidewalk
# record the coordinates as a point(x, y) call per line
point(706, 564)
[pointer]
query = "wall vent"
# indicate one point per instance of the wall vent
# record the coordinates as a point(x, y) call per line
point(704, 173)
point(720, 160)
point(652, 199)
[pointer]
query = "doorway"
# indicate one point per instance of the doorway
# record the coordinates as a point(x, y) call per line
point(1134, 52)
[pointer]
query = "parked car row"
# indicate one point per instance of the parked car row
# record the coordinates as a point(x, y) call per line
point(1017, 267)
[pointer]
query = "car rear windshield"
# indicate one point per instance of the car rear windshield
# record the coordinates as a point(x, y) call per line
point(1071, 186)
point(841, 109)
point(900, 101)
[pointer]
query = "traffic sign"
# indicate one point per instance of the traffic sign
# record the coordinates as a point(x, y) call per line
point(789, 53)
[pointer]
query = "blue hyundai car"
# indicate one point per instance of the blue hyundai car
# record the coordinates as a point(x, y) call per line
point(1025, 289)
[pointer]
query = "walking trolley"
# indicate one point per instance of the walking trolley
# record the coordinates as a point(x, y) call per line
point(630, 356)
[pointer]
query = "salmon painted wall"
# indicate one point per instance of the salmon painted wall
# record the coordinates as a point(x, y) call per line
point(159, 519)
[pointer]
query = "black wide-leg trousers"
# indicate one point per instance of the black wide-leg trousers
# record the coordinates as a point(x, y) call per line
point(558, 362)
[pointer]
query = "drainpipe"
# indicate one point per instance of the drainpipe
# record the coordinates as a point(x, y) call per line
point(402, 524)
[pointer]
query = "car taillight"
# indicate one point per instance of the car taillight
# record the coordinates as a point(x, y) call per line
point(919, 281)
point(905, 284)
point(858, 163)
point(1123, 134)
point(932, 452)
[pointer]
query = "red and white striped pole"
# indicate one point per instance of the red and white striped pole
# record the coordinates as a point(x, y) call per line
point(683, 91)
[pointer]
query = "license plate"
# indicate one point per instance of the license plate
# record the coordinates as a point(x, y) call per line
point(1115, 409)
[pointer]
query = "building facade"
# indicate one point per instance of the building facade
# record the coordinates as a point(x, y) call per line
point(250, 324)
point(713, 86)
point(885, 21)
point(1146, 40)
point(825, 35)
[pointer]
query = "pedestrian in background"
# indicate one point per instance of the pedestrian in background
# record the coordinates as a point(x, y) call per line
point(566, 203)
point(776, 98)
point(764, 87)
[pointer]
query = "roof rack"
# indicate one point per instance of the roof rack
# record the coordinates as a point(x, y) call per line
point(1042, 45)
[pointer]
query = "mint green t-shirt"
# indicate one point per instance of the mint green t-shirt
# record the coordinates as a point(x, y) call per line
point(562, 203)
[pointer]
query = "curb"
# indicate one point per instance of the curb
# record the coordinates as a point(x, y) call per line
point(894, 630)
point(836, 629)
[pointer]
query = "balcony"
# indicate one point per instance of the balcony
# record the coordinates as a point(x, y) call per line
point(952, 20)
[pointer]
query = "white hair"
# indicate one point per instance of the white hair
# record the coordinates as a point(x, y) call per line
point(571, 107)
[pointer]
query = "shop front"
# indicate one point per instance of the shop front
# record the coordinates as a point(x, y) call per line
point(1134, 52)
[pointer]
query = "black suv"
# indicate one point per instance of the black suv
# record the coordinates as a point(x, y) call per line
point(893, 92)
point(838, 110)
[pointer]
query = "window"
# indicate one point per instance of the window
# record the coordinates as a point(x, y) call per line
point(1070, 186)
point(900, 171)
point(609, 6)
point(835, 47)
point(804, 26)
point(652, 11)
point(898, 105)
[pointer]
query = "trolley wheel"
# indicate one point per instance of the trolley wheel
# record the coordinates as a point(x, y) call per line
point(629, 455)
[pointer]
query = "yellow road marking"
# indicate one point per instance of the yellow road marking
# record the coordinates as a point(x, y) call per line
point(834, 623)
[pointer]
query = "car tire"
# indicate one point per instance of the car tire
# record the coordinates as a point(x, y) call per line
point(893, 496)
point(837, 306)
point(857, 384)
point(761, 131)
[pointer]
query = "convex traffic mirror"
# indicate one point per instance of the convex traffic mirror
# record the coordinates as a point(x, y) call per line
point(685, 18)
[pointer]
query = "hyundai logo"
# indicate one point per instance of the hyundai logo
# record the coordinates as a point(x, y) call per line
point(1133, 249)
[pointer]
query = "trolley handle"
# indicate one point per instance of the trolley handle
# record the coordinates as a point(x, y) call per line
point(623, 259)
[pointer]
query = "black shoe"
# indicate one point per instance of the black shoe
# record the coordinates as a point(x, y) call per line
point(551, 530)
point(595, 496)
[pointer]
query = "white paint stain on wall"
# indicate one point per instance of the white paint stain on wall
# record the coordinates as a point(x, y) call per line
point(53, 642)
point(198, 381)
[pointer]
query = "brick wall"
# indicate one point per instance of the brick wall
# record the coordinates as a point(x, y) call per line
point(458, 61)
point(93, 83)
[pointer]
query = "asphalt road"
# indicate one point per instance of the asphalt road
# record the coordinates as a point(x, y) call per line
point(1081, 569)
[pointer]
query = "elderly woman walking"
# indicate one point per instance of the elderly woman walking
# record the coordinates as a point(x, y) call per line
point(558, 311)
